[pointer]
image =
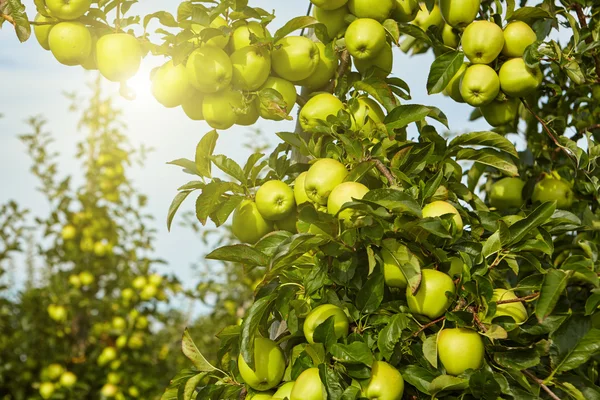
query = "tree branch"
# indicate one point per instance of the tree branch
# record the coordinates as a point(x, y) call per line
point(541, 383)
point(341, 70)
point(429, 324)
point(9, 19)
point(384, 171)
point(583, 22)
point(519, 299)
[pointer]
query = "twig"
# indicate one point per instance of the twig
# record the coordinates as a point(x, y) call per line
point(118, 21)
point(583, 22)
point(519, 299)
point(9, 19)
point(541, 383)
point(300, 100)
point(429, 324)
point(476, 319)
point(310, 4)
point(341, 70)
point(384, 171)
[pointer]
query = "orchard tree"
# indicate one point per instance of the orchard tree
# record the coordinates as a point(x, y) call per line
point(391, 267)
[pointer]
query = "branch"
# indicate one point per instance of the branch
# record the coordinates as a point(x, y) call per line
point(384, 171)
point(9, 19)
point(428, 325)
point(301, 100)
point(583, 22)
point(541, 383)
point(519, 299)
point(342, 69)
point(480, 325)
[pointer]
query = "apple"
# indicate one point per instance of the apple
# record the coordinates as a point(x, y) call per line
point(343, 193)
point(439, 208)
point(325, 70)
point(460, 349)
point(482, 42)
point(240, 37)
point(299, 193)
point(425, 19)
point(288, 223)
point(308, 386)
point(260, 396)
point(57, 313)
point(269, 365)
point(47, 390)
point(68, 379)
point(90, 63)
point(507, 193)
point(334, 20)
point(118, 56)
point(450, 37)
point(552, 189)
point(318, 108)
point(479, 85)
point(87, 244)
point(430, 299)
point(217, 41)
point(192, 105)
point(69, 232)
point(386, 382)
point(141, 322)
point(107, 355)
point(133, 391)
point(365, 38)
point(275, 200)
point(392, 274)
point(322, 177)
point(136, 341)
point(248, 113)
point(514, 310)
point(74, 281)
point(219, 109)
point(54, 371)
point(121, 342)
point(148, 292)
point(295, 58)
point(453, 88)
point(405, 10)
point(113, 378)
point(70, 42)
point(109, 390)
point(248, 225)
point(284, 392)
point(101, 249)
point(170, 84)
point(329, 4)
point(209, 69)
point(459, 13)
point(286, 89)
point(381, 65)
point(379, 10)
point(119, 323)
point(68, 9)
point(139, 282)
point(500, 113)
point(43, 31)
point(318, 315)
point(365, 114)
point(251, 67)
point(86, 278)
point(517, 37)
point(517, 79)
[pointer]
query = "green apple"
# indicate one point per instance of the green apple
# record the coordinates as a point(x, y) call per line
point(379, 10)
point(453, 88)
point(319, 315)
point(86, 278)
point(209, 69)
point(459, 13)
point(365, 114)
point(295, 58)
point(450, 36)
point(552, 189)
point(119, 323)
point(54, 371)
point(109, 390)
point(248, 224)
point(170, 85)
point(343, 193)
point(43, 31)
point(284, 392)
point(133, 391)
point(514, 310)
point(90, 63)
point(318, 108)
point(322, 177)
point(251, 67)
point(430, 299)
point(219, 109)
point(192, 106)
point(136, 341)
point(365, 38)
point(299, 193)
point(381, 65)
point(113, 378)
point(127, 294)
point(101, 249)
point(141, 322)
point(308, 386)
point(240, 37)
point(392, 274)
point(269, 365)
point(248, 114)
point(500, 113)
point(68, 379)
point(405, 10)
point(139, 282)
point(425, 19)
point(286, 89)
point(107, 355)
point(507, 193)
point(325, 71)
point(57, 313)
point(460, 349)
point(482, 42)
point(220, 41)
point(334, 20)
point(74, 281)
point(69, 232)
point(118, 56)
point(68, 9)
point(386, 382)
point(288, 223)
point(275, 200)
point(260, 396)
point(47, 390)
point(70, 42)
point(479, 85)
point(439, 208)
point(148, 292)
point(517, 79)
point(517, 36)
point(329, 4)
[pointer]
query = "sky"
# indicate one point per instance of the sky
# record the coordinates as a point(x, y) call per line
point(33, 83)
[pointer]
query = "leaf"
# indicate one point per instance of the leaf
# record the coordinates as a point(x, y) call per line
point(518, 358)
point(430, 350)
point(539, 216)
point(188, 165)
point(489, 157)
point(573, 344)
point(485, 138)
point(380, 90)
point(393, 200)
point(529, 14)
point(492, 245)
point(229, 166)
point(240, 253)
point(189, 392)
point(179, 198)
point(391, 334)
point(211, 198)
point(409, 264)
point(370, 295)
point(442, 70)
point(401, 116)
point(293, 25)
point(418, 377)
point(163, 17)
point(354, 353)
point(447, 382)
point(193, 354)
point(252, 321)
point(16, 10)
point(554, 285)
point(204, 150)
point(325, 333)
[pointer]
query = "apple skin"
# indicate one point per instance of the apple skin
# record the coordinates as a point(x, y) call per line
point(275, 200)
point(517, 79)
point(344, 193)
point(322, 177)
point(430, 299)
point(219, 109)
point(386, 382)
point(68, 9)
point(500, 113)
point(366, 107)
point(552, 189)
point(86, 278)
point(260, 396)
point(209, 69)
point(392, 273)
point(269, 364)
point(170, 85)
point(70, 42)
point(69, 232)
point(251, 68)
point(118, 56)
point(459, 13)
point(318, 315)
point(460, 349)
point(249, 112)
point(240, 37)
point(450, 37)
point(68, 379)
point(295, 58)
point(287, 91)
point(47, 390)
point(334, 20)
point(516, 310)
point(479, 85)
point(325, 71)
point(192, 106)
point(517, 36)
point(288, 223)
point(308, 386)
point(248, 224)
point(317, 108)
point(329, 4)
point(482, 42)
point(90, 63)
point(54, 371)
point(425, 19)
point(379, 10)
point(216, 41)
point(299, 193)
point(382, 63)
point(507, 193)
point(453, 88)
point(405, 10)
point(439, 208)
point(284, 391)
point(42, 31)
point(365, 38)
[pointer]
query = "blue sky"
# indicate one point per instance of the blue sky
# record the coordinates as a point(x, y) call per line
point(33, 83)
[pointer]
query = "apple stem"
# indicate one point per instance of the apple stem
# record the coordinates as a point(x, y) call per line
point(384, 171)
point(519, 299)
point(429, 324)
point(118, 20)
point(541, 383)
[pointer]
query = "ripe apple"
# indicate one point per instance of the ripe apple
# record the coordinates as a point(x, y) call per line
point(514, 310)
point(295, 58)
point(217, 41)
point(248, 224)
point(392, 274)
point(425, 19)
point(269, 365)
point(70, 42)
point(453, 88)
point(479, 85)
point(459, 13)
point(148, 292)
point(43, 31)
point(325, 70)
point(107, 355)
point(450, 36)
point(329, 4)
point(54, 371)
point(507, 193)
point(74, 281)
point(141, 322)
point(192, 105)
point(439, 208)
point(119, 323)
point(365, 114)
point(460, 349)
point(405, 10)
point(318, 108)
point(275, 200)
point(68, 9)
point(240, 37)
point(119, 56)
point(500, 113)
point(552, 189)
point(260, 396)
point(379, 10)
point(288, 223)
point(517, 36)
point(284, 392)
point(68, 379)
point(47, 390)
point(322, 177)
point(517, 79)
point(209, 69)
point(251, 67)
point(69, 232)
point(136, 341)
point(299, 193)
point(57, 313)
point(318, 315)
point(430, 299)
point(86, 278)
point(170, 84)
point(248, 114)
point(101, 249)
point(381, 64)
point(308, 386)
point(365, 38)
point(343, 193)
point(386, 382)
point(482, 42)
point(109, 390)
point(334, 20)
point(90, 63)
point(139, 282)
point(219, 109)
point(286, 89)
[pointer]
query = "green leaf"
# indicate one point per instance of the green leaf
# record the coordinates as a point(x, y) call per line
point(229, 166)
point(573, 344)
point(240, 253)
point(188, 165)
point(447, 382)
point(189, 392)
point(522, 228)
point(408, 263)
point(442, 70)
point(489, 157)
point(430, 350)
point(258, 311)
point(380, 90)
point(485, 138)
point(163, 17)
point(517, 358)
point(418, 377)
point(16, 10)
point(529, 14)
point(555, 282)
point(391, 334)
point(204, 150)
point(354, 353)
point(370, 295)
point(295, 24)
point(179, 198)
point(394, 200)
point(492, 245)
point(401, 116)
point(193, 354)
point(211, 198)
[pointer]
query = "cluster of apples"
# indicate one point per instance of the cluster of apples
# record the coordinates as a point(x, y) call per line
point(112, 174)
point(90, 233)
point(54, 378)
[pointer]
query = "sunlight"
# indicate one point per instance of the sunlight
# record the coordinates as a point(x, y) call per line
point(139, 88)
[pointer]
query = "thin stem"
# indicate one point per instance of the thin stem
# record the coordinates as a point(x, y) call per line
point(427, 325)
point(118, 21)
point(343, 67)
point(301, 101)
point(384, 171)
point(9, 19)
point(541, 384)
point(583, 22)
point(519, 299)
point(476, 319)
